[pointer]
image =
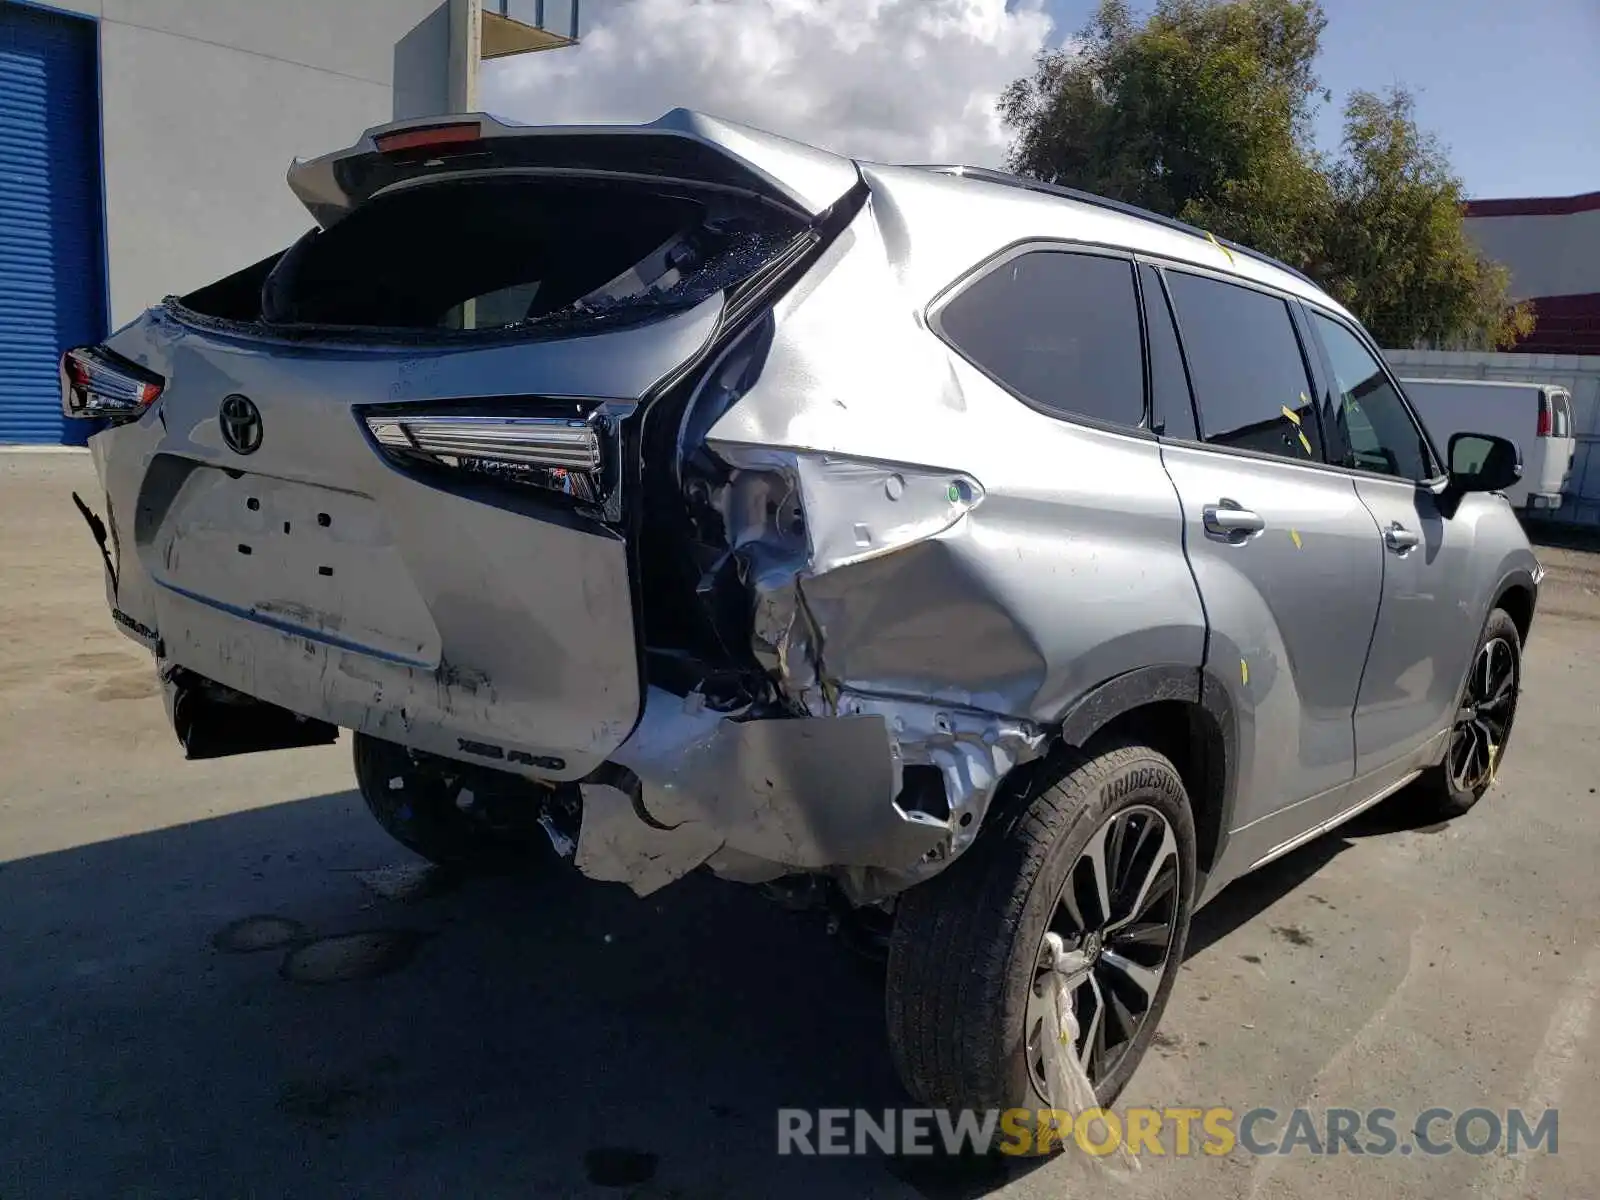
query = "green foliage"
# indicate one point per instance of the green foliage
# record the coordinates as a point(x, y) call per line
point(1204, 112)
point(1395, 251)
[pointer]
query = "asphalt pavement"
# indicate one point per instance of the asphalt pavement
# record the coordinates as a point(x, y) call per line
point(221, 979)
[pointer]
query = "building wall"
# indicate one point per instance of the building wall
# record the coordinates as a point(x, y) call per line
point(1552, 248)
point(1548, 254)
point(206, 102)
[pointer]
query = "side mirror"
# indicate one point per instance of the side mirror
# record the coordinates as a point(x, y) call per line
point(1482, 462)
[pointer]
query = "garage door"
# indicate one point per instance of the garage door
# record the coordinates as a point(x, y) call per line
point(52, 261)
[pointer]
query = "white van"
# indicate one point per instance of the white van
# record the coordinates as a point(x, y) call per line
point(1536, 416)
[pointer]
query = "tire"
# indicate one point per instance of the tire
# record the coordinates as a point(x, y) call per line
point(416, 801)
point(966, 944)
point(1444, 791)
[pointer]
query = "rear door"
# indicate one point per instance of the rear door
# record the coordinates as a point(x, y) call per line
point(1286, 556)
point(1571, 434)
point(1559, 446)
point(1424, 635)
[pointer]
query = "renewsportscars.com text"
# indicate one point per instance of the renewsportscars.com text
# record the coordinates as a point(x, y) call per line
point(1179, 1132)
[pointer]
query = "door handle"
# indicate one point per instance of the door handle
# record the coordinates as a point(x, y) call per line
point(1398, 538)
point(1227, 518)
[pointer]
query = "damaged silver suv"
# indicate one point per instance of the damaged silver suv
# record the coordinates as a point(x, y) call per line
point(1007, 565)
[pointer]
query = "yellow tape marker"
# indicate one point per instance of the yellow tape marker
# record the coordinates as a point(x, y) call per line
point(1294, 535)
point(1305, 443)
point(1244, 672)
point(1291, 414)
point(1494, 762)
point(1220, 246)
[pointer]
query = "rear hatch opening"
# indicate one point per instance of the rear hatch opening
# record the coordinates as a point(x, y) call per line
point(507, 257)
point(462, 259)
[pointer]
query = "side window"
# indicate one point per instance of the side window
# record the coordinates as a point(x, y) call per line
point(1245, 364)
point(1171, 409)
point(1060, 329)
point(1378, 430)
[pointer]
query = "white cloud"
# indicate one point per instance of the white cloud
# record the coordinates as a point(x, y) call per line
point(891, 80)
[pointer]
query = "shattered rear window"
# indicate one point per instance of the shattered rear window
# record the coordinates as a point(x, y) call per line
point(521, 254)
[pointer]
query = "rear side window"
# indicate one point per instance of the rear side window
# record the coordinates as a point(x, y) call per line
point(1245, 366)
point(1060, 329)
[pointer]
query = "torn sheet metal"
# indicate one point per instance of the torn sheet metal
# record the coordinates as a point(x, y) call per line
point(856, 509)
point(761, 798)
point(973, 753)
point(791, 516)
point(882, 534)
point(847, 575)
point(615, 845)
point(805, 795)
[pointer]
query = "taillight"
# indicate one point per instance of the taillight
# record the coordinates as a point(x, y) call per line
point(430, 137)
point(1544, 416)
point(95, 382)
point(562, 454)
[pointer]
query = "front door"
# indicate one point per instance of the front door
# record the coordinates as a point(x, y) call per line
point(1426, 628)
point(1287, 557)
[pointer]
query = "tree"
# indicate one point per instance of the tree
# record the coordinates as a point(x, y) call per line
point(1395, 251)
point(1204, 112)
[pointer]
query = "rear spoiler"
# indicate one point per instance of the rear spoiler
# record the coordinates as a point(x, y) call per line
point(681, 147)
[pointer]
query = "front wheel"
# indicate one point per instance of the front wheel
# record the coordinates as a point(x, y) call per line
point(1482, 724)
point(1087, 885)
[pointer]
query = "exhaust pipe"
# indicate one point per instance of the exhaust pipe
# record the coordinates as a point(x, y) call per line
point(214, 721)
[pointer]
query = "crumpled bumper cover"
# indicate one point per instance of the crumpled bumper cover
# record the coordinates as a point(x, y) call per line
point(797, 793)
point(760, 798)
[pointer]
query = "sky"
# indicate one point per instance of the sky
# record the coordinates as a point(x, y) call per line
point(1511, 87)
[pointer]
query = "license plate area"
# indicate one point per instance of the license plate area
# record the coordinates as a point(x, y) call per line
point(311, 561)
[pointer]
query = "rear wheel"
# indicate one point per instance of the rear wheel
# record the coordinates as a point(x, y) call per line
point(1482, 724)
point(448, 812)
point(1089, 880)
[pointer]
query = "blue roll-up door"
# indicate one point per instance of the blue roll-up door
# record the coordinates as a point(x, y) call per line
point(52, 257)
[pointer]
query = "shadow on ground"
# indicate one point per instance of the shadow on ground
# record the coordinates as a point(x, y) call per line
point(1563, 537)
point(174, 1021)
point(1250, 896)
point(280, 1002)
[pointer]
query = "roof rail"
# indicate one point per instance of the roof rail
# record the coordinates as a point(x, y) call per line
point(990, 175)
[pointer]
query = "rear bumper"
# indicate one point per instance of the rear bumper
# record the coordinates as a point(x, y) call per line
point(685, 786)
point(755, 799)
point(667, 784)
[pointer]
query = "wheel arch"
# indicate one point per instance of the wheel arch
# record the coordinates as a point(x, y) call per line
point(1185, 714)
point(1518, 594)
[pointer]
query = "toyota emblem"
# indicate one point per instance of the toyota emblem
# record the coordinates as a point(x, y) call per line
point(241, 424)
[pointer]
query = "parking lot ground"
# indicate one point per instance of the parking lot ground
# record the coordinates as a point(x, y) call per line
point(181, 1016)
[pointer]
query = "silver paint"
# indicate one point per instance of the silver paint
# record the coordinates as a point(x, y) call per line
point(408, 639)
point(936, 573)
point(1291, 610)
